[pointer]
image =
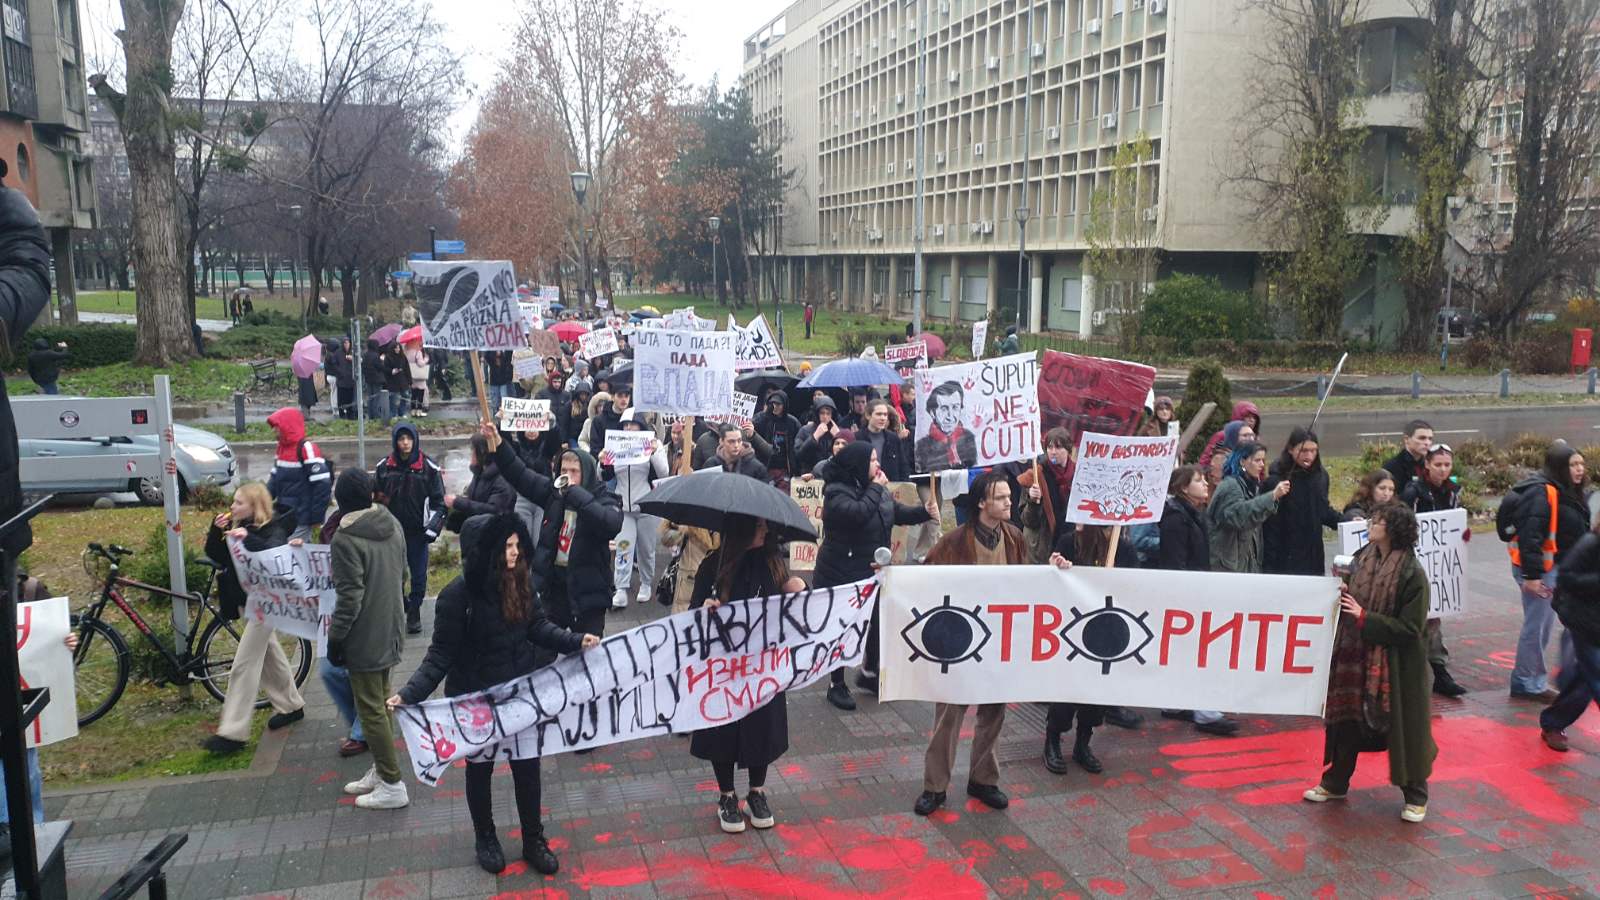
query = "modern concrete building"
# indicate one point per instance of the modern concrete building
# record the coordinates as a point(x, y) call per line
point(44, 119)
point(836, 82)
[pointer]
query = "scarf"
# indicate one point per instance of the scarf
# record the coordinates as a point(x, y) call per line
point(1359, 683)
point(988, 537)
point(950, 449)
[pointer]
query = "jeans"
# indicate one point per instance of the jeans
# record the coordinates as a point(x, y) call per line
point(498, 392)
point(333, 395)
point(375, 405)
point(1580, 687)
point(1538, 619)
point(417, 562)
point(35, 789)
point(49, 387)
point(399, 404)
point(336, 679)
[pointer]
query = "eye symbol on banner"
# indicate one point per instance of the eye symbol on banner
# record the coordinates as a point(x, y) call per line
point(946, 635)
point(1106, 635)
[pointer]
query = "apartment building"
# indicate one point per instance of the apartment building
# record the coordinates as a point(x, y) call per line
point(43, 120)
point(837, 82)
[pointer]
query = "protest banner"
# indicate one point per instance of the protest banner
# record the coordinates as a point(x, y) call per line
point(518, 414)
point(628, 448)
point(526, 364)
point(744, 410)
point(1087, 393)
point(808, 496)
point(1441, 548)
point(686, 373)
point(1114, 637)
point(683, 673)
point(756, 348)
point(904, 356)
point(980, 337)
point(44, 661)
point(977, 414)
point(469, 305)
point(597, 343)
point(288, 588)
point(1120, 480)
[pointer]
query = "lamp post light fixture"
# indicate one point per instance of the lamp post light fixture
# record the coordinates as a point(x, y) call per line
point(580, 190)
point(716, 229)
point(1022, 213)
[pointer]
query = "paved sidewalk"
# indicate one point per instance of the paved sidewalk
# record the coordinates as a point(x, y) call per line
point(1175, 813)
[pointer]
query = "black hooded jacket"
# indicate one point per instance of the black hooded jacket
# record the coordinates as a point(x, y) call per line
point(24, 292)
point(473, 645)
point(858, 517)
point(410, 486)
point(396, 370)
point(1533, 524)
point(487, 494)
point(781, 430)
point(44, 362)
point(1292, 537)
point(584, 583)
point(372, 368)
point(230, 595)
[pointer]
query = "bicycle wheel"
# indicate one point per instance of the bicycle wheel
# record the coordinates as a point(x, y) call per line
point(100, 668)
point(221, 641)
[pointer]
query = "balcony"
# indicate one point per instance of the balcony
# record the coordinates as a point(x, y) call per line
point(1399, 109)
point(1397, 219)
point(1381, 10)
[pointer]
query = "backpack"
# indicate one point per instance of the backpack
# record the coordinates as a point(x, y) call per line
point(1513, 505)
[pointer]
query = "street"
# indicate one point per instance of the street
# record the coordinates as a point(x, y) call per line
point(1176, 813)
point(1343, 433)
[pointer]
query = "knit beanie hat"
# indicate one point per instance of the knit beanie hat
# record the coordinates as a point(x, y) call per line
point(353, 490)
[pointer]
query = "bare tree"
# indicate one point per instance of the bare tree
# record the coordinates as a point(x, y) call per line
point(144, 113)
point(602, 67)
point(111, 242)
point(1124, 243)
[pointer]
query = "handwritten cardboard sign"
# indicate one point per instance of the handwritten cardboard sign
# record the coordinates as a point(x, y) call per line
point(744, 410)
point(45, 661)
point(685, 373)
point(905, 354)
point(288, 588)
point(519, 414)
point(977, 414)
point(1120, 480)
point(1088, 393)
point(756, 348)
point(1442, 550)
point(544, 342)
point(628, 448)
point(469, 305)
point(683, 673)
point(980, 337)
point(526, 364)
point(808, 496)
point(597, 343)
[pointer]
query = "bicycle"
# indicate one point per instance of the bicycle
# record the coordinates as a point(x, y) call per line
point(102, 664)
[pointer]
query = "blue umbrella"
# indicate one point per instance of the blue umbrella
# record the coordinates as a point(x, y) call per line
point(852, 372)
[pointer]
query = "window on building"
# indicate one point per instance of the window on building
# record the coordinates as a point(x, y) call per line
point(1072, 295)
point(1158, 74)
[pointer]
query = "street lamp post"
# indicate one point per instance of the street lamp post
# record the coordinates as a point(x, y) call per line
point(580, 189)
point(1022, 214)
point(716, 228)
point(433, 242)
point(1023, 294)
point(295, 211)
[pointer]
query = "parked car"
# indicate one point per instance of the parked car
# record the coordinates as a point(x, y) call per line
point(202, 457)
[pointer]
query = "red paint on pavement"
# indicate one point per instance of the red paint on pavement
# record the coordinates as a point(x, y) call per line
point(1016, 843)
point(603, 837)
point(1108, 885)
point(596, 768)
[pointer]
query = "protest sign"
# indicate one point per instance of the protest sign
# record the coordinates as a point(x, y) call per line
point(628, 448)
point(904, 356)
point(1115, 637)
point(544, 342)
point(601, 301)
point(686, 373)
point(685, 320)
point(744, 410)
point(980, 337)
point(597, 343)
point(288, 588)
point(808, 496)
point(977, 414)
point(1442, 550)
point(683, 673)
point(1087, 393)
point(469, 305)
point(756, 348)
point(1120, 480)
point(549, 293)
point(533, 313)
point(519, 414)
point(526, 364)
point(45, 661)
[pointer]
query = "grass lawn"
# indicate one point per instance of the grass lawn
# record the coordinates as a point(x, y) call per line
point(261, 431)
point(199, 381)
point(826, 328)
point(205, 307)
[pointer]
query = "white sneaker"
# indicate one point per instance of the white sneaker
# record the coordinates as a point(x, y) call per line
point(1414, 813)
point(385, 796)
point(645, 596)
point(619, 600)
point(1320, 794)
point(365, 784)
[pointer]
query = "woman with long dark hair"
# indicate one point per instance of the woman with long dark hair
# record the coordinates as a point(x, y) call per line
point(746, 566)
point(1552, 516)
point(1374, 490)
point(1378, 682)
point(488, 626)
point(1293, 544)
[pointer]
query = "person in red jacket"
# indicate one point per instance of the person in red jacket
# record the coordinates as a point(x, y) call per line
point(1243, 411)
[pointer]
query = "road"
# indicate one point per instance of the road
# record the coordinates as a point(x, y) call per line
point(1343, 433)
point(256, 464)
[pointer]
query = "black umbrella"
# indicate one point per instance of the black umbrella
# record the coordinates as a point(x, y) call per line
point(707, 497)
point(621, 375)
point(755, 382)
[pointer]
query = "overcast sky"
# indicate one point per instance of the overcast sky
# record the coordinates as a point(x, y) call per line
point(482, 30)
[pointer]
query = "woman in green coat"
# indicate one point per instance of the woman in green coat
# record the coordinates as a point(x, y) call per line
point(1379, 683)
point(1238, 509)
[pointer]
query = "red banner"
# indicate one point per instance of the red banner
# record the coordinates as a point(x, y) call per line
point(1087, 393)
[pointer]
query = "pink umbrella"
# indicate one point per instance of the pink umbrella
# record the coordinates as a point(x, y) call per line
point(386, 334)
point(935, 345)
point(306, 357)
point(412, 335)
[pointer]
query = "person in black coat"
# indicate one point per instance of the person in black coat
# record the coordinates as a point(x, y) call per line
point(1577, 601)
point(746, 566)
point(1081, 545)
point(734, 454)
point(341, 368)
point(781, 430)
point(572, 553)
point(1538, 552)
point(373, 378)
point(487, 494)
point(487, 625)
point(44, 365)
point(883, 432)
point(1293, 535)
point(1408, 463)
point(274, 533)
point(410, 483)
point(858, 517)
point(439, 373)
point(397, 379)
point(1434, 490)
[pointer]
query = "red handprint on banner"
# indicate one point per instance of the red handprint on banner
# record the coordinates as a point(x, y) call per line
point(1275, 768)
point(441, 746)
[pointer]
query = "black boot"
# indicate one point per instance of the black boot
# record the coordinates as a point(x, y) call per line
point(1053, 761)
point(1083, 756)
point(1443, 684)
point(536, 850)
point(490, 857)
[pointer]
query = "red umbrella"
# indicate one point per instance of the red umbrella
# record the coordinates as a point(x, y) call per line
point(569, 331)
point(935, 345)
point(412, 335)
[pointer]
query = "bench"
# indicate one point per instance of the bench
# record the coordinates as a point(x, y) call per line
point(264, 372)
